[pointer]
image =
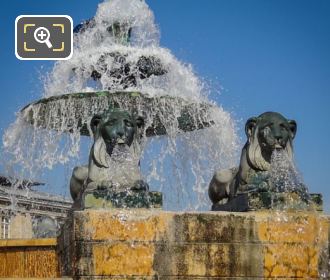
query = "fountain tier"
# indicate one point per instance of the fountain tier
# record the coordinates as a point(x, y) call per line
point(72, 112)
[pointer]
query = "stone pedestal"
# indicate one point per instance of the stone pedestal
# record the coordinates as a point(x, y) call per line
point(105, 199)
point(262, 200)
point(153, 244)
point(98, 199)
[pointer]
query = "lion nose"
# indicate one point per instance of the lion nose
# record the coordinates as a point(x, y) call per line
point(277, 135)
point(278, 139)
point(120, 133)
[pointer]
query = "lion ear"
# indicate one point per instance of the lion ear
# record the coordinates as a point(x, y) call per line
point(95, 122)
point(293, 127)
point(249, 127)
point(139, 121)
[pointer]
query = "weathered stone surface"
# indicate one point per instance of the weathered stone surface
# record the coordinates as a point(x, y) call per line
point(298, 227)
point(296, 244)
point(291, 260)
point(187, 277)
point(30, 258)
point(121, 225)
point(153, 244)
point(258, 200)
point(128, 199)
point(209, 260)
point(156, 225)
point(280, 201)
point(210, 227)
point(134, 259)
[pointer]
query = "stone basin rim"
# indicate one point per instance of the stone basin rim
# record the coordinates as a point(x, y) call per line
point(185, 120)
point(106, 92)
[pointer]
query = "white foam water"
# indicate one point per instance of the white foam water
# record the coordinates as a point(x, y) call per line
point(283, 173)
point(179, 164)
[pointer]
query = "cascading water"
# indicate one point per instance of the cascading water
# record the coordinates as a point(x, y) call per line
point(283, 174)
point(115, 52)
point(285, 178)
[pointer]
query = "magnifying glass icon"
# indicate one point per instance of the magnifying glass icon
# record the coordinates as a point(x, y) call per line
point(41, 35)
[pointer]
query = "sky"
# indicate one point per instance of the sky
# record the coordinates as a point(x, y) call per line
point(255, 55)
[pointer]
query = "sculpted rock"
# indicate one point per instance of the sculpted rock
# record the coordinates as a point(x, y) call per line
point(124, 73)
point(121, 71)
point(113, 160)
point(265, 133)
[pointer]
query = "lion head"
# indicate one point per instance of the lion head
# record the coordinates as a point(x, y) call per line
point(114, 128)
point(265, 133)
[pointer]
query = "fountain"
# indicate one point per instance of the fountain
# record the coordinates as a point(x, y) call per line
point(117, 63)
point(122, 89)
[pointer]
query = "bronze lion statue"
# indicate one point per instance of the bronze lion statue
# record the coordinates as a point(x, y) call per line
point(265, 133)
point(113, 159)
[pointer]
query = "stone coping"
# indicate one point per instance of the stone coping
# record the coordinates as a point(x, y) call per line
point(38, 242)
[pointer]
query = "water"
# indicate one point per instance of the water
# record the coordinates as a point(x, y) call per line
point(303, 228)
point(179, 164)
point(284, 176)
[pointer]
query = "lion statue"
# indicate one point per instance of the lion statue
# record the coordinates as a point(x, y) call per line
point(265, 133)
point(113, 160)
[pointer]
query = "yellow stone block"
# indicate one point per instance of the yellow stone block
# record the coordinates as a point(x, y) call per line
point(123, 258)
point(28, 262)
point(295, 243)
point(291, 260)
point(292, 227)
point(122, 225)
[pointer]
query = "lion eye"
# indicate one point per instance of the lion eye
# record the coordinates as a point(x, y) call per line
point(267, 130)
point(128, 123)
point(112, 121)
point(283, 127)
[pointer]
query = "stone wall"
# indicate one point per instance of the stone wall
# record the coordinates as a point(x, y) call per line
point(151, 244)
point(28, 258)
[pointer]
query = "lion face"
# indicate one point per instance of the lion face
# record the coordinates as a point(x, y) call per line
point(118, 129)
point(266, 133)
point(115, 128)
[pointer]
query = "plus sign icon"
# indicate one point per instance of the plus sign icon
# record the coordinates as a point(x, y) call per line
point(43, 37)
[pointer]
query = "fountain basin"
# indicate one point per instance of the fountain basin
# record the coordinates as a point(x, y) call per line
point(72, 112)
point(144, 244)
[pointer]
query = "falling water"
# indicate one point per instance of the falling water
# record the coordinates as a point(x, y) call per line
point(283, 173)
point(178, 164)
point(285, 178)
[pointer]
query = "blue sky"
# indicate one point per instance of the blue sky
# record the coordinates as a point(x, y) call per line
point(261, 54)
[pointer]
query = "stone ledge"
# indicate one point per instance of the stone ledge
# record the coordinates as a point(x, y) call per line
point(32, 278)
point(203, 227)
point(176, 277)
point(28, 242)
